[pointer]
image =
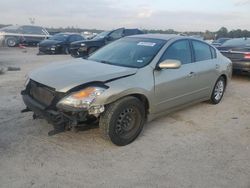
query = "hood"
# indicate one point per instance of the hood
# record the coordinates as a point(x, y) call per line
point(69, 74)
point(48, 43)
point(88, 42)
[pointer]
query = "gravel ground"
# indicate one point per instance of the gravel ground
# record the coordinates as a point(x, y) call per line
point(201, 146)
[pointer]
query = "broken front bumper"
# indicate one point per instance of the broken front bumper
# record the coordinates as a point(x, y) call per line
point(60, 120)
point(51, 116)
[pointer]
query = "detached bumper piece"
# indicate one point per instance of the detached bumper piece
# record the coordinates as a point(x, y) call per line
point(42, 102)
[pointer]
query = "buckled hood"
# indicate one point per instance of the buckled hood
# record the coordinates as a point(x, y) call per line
point(69, 74)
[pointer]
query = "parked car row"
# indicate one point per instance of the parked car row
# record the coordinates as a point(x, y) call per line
point(78, 46)
point(238, 50)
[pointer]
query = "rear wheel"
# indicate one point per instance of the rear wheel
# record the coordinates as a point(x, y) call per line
point(123, 120)
point(11, 42)
point(218, 90)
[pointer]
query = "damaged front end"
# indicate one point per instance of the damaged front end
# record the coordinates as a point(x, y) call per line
point(65, 111)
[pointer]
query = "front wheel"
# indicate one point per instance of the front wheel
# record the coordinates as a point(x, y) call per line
point(218, 90)
point(123, 120)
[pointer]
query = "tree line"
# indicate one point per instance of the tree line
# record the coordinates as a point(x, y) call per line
point(223, 32)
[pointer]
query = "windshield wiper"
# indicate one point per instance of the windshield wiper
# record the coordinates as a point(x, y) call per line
point(106, 62)
point(101, 61)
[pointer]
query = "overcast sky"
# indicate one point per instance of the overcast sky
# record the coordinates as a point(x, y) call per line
point(181, 15)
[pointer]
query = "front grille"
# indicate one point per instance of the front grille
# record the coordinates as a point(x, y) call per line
point(41, 93)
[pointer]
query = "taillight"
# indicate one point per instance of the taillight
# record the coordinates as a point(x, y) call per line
point(247, 56)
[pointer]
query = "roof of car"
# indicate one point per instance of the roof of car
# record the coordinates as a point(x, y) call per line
point(158, 36)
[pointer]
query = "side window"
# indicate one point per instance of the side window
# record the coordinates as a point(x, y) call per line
point(116, 34)
point(78, 37)
point(32, 30)
point(72, 38)
point(179, 50)
point(201, 51)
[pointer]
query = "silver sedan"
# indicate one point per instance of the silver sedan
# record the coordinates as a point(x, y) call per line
point(126, 83)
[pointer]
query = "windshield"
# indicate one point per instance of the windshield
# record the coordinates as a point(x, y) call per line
point(59, 37)
point(129, 52)
point(101, 35)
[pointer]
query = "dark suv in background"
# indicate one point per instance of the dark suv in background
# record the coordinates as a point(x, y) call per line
point(28, 35)
point(84, 48)
point(238, 51)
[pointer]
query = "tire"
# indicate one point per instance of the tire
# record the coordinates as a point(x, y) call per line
point(122, 121)
point(11, 42)
point(218, 91)
point(91, 50)
point(75, 54)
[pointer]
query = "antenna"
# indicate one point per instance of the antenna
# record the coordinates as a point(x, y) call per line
point(32, 21)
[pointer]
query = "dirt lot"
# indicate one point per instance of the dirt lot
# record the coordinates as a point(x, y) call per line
point(201, 146)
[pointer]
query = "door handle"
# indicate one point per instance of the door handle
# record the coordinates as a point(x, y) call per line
point(191, 74)
point(217, 66)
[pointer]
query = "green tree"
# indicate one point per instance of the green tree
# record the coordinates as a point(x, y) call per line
point(223, 32)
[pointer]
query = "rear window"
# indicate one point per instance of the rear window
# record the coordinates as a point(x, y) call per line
point(202, 51)
point(59, 37)
point(32, 30)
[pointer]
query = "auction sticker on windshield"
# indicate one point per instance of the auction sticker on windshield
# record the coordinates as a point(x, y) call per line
point(146, 44)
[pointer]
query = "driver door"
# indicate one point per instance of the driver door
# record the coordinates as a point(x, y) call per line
point(176, 87)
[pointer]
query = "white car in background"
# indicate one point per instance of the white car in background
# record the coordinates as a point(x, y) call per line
point(27, 35)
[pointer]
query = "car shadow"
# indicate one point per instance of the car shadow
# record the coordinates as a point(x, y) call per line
point(241, 76)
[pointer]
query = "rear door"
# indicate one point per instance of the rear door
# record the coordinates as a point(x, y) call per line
point(176, 87)
point(207, 66)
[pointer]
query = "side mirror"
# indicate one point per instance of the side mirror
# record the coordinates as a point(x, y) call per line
point(109, 38)
point(170, 64)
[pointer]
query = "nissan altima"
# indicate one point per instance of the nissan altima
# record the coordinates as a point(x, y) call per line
point(126, 83)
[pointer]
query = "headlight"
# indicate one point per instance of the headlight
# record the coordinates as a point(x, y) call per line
point(81, 99)
point(82, 44)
